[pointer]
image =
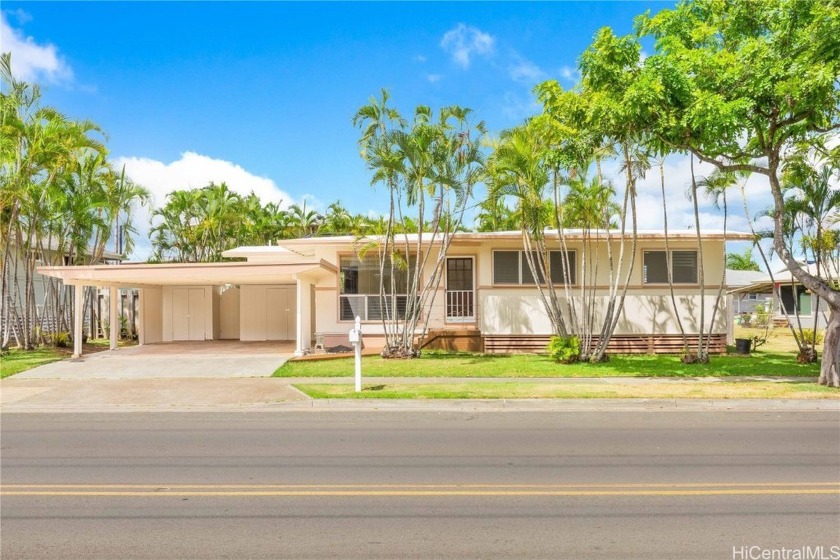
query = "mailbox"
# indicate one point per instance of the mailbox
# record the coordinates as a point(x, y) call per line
point(355, 336)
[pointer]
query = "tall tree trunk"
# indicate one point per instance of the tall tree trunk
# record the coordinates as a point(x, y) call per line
point(722, 278)
point(670, 272)
point(830, 369)
point(616, 303)
point(701, 356)
point(819, 286)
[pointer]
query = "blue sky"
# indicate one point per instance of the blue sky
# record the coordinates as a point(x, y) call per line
point(262, 94)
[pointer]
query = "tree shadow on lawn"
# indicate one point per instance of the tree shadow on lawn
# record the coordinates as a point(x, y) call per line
point(758, 364)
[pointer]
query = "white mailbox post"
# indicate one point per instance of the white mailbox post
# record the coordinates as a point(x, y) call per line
point(356, 341)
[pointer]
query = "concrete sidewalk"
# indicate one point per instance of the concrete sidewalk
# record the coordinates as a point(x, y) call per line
point(40, 395)
point(564, 380)
point(277, 394)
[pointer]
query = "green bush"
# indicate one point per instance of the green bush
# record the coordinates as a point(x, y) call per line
point(564, 349)
point(808, 336)
point(62, 339)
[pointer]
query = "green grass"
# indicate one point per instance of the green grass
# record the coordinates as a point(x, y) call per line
point(530, 390)
point(17, 361)
point(439, 364)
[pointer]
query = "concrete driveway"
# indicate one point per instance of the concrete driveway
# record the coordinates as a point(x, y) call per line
point(208, 359)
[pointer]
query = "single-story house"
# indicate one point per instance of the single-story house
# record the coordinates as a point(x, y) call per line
point(746, 302)
point(789, 297)
point(487, 299)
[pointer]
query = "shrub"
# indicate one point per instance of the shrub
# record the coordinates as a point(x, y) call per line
point(564, 349)
point(62, 339)
point(808, 336)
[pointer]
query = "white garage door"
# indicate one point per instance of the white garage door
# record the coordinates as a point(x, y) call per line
point(281, 319)
point(268, 312)
point(188, 314)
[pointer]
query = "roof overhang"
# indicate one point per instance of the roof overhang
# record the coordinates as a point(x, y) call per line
point(466, 237)
point(189, 274)
point(755, 287)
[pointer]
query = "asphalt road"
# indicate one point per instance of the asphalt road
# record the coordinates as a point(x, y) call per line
point(420, 485)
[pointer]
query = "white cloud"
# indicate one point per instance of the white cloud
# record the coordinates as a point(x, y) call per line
point(192, 170)
point(569, 73)
point(434, 78)
point(32, 62)
point(420, 58)
point(680, 207)
point(524, 71)
point(463, 41)
point(21, 16)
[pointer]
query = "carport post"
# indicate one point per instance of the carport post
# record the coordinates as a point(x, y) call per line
point(303, 328)
point(78, 316)
point(113, 319)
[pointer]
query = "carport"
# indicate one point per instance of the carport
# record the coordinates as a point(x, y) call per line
point(181, 302)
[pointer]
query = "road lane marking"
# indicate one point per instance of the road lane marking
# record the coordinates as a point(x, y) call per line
point(421, 490)
point(432, 493)
point(455, 485)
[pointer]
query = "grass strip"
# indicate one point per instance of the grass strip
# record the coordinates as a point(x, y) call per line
point(526, 390)
point(461, 364)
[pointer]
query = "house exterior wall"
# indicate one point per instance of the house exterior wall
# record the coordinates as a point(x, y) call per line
point(744, 304)
point(216, 302)
point(229, 308)
point(518, 310)
point(151, 315)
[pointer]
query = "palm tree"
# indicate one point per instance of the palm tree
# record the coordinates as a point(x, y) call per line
point(337, 220)
point(590, 205)
point(516, 169)
point(303, 222)
point(742, 261)
point(714, 188)
point(494, 215)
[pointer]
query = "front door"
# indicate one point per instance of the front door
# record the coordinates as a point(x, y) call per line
point(460, 290)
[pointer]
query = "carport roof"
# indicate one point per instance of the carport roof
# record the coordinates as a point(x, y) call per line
point(189, 274)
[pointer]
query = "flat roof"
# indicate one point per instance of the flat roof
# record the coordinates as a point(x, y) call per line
point(188, 274)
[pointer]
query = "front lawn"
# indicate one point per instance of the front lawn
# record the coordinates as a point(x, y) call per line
point(17, 361)
point(531, 390)
point(440, 364)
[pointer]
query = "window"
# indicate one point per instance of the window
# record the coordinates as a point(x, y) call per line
point(793, 301)
point(683, 267)
point(359, 290)
point(511, 267)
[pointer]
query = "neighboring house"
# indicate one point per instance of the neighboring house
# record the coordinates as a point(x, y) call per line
point(43, 285)
point(746, 302)
point(487, 299)
point(788, 297)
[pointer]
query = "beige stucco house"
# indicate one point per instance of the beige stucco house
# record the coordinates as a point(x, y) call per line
point(487, 299)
